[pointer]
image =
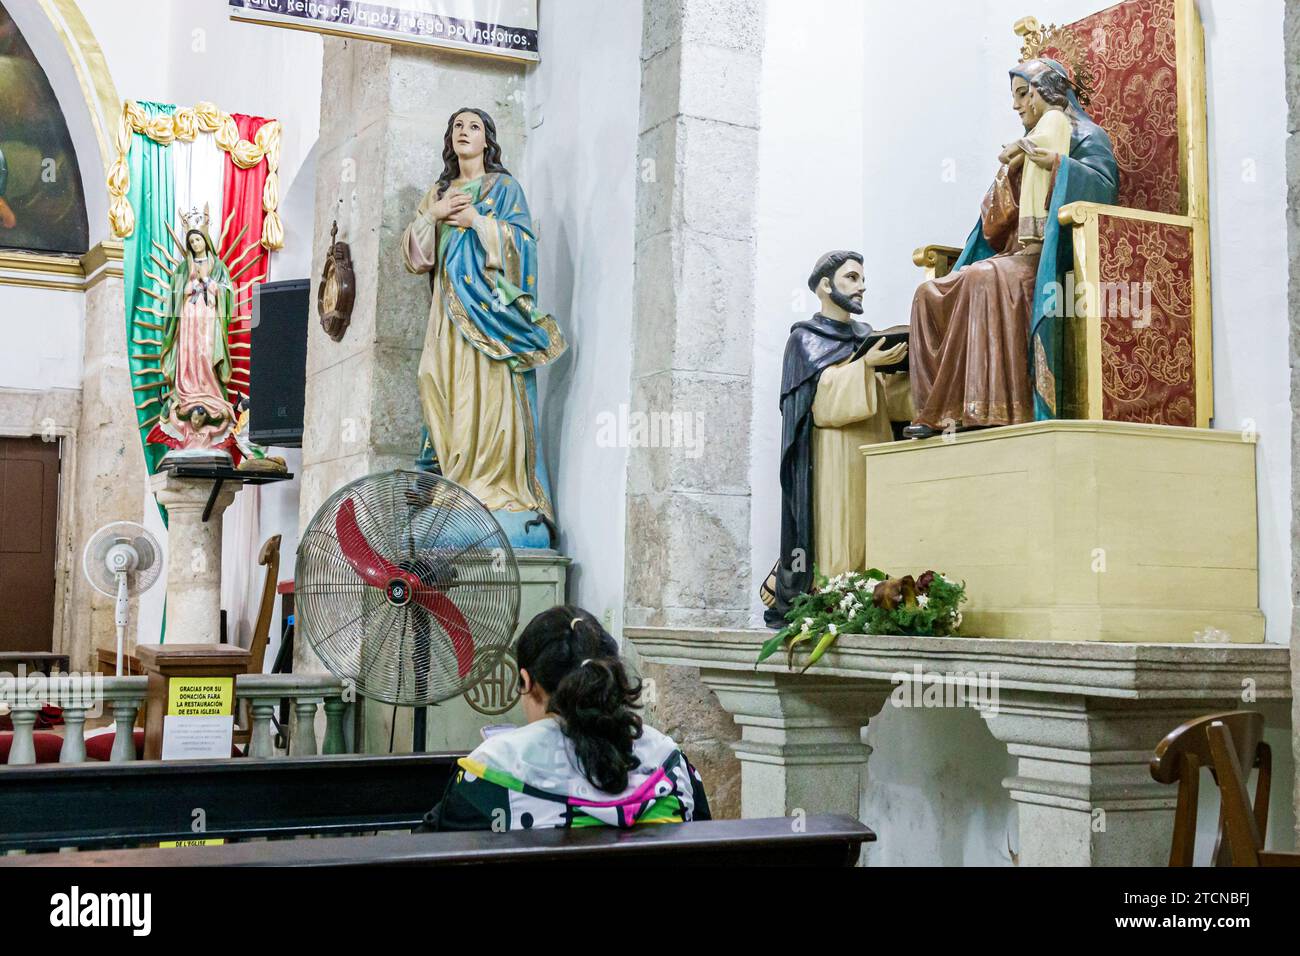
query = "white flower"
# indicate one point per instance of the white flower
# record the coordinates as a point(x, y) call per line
point(956, 620)
point(832, 630)
point(871, 584)
point(923, 599)
point(807, 623)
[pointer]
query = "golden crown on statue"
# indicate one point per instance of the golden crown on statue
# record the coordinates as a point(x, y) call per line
point(1072, 52)
point(195, 218)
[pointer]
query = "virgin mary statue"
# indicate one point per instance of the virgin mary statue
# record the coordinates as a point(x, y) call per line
point(197, 419)
point(986, 339)
point(473, 236)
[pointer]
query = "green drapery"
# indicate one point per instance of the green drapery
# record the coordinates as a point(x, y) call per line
point(152, 195)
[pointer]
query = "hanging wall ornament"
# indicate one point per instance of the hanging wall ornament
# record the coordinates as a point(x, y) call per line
point(337, 289)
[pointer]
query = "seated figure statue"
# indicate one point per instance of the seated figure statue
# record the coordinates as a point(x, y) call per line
point(986, 338)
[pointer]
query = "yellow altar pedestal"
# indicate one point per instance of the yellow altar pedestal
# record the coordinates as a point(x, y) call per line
point(1077, 530)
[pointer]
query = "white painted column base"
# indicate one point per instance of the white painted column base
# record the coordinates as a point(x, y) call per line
point(193, 556)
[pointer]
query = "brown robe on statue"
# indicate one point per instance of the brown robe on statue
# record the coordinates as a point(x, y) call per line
point(970, 329)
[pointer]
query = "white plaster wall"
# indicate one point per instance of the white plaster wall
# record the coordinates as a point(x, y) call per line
point(910, 201)
point(579, 171)
point(42, 332)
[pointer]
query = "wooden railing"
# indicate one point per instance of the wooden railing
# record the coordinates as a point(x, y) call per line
point(90, 696)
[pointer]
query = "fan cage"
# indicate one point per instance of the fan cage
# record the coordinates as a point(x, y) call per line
point(407, 587)
point(104, 539)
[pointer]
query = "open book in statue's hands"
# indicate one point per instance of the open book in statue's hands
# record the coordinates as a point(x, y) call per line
point(893, 337)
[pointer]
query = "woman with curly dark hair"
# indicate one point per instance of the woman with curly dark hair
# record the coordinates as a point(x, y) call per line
point(585, 757)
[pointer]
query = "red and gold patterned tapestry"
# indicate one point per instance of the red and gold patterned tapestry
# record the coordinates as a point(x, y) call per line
point(1132, 51)
point(1148, 355)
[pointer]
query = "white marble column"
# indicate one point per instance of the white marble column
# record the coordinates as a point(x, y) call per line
point(801, 743)
point(193, 556)
point(1083, 786)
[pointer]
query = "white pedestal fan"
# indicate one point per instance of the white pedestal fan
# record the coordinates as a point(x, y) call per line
point(121, 560)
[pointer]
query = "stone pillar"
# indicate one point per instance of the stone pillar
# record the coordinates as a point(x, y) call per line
point(1083, 786)
point(1292, 45)
point(384, 110)
point(193, 556)
point(109, 469)
point(688, 551)
point(801, 739)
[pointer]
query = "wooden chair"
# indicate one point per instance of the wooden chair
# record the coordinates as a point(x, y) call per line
point(269, 558)
point(1245, 829)
point(1223, 743)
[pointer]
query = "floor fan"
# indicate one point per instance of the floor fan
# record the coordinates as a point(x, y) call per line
point(406, 587)
point(121, 561)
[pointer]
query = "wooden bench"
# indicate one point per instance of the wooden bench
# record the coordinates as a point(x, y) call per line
point(47, 806)
point(816, 841)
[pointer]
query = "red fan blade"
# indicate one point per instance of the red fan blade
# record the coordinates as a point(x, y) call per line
point(372, 568)
point(452, 621)
point(377, 572)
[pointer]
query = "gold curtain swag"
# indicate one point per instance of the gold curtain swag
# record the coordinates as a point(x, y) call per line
point(184, 125)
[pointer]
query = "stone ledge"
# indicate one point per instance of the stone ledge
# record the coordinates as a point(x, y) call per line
point(1093, 669)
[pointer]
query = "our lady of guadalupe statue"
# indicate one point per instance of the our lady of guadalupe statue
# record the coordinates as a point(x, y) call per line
point(473, 236)
point(197, 420)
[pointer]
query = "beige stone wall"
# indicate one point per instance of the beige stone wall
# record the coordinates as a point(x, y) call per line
point(688, 547)
point(1292, 39)
point(109, 474)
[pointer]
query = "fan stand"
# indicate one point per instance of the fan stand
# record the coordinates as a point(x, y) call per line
point(120, 614)
point(419, 736)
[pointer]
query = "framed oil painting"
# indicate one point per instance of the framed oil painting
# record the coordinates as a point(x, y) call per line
point(42, 206)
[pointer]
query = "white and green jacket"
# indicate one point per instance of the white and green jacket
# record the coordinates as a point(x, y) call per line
point(529, 778)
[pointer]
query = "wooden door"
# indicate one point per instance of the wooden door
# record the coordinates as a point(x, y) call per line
point(29, 504)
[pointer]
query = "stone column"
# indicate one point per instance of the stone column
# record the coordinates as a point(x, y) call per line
point(109, 469)
point(801, 739)
point(384, 110)
point(687, 532)
point(193, 556)
point(1083, 786)
point(1292, 45)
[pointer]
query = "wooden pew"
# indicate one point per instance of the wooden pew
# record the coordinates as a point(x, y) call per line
point(47, 806)
point(817, 841)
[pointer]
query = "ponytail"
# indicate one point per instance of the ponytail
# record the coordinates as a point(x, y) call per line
point(576, 662)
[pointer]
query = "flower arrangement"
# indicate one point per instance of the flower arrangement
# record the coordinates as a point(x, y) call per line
point(868, 602)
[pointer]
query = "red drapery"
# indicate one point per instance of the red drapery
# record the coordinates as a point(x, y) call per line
point(242, 197)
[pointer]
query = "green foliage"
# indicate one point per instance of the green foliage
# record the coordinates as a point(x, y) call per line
point(867, 603)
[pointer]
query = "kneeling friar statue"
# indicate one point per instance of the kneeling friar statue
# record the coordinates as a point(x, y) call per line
point(835, 397)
